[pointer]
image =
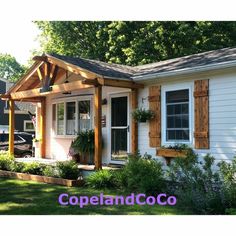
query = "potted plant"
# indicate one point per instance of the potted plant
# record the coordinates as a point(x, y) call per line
point(83, 146)
point(142, 115)
point(36, 142)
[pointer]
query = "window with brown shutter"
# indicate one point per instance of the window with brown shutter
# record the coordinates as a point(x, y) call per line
point(155, 124)
point(201, 114)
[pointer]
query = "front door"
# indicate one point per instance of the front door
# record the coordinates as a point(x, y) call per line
point(119, 127)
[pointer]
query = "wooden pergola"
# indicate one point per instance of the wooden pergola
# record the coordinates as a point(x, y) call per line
point(40, 81)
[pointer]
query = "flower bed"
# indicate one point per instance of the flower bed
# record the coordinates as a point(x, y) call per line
point(40, 178)
point(63, 173)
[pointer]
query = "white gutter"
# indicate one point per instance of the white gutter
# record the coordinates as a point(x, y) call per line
point(222, 65)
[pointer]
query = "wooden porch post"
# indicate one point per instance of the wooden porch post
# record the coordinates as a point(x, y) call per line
point(134, 124)
point(11, 126)
point(98, 127)
point(43, 127)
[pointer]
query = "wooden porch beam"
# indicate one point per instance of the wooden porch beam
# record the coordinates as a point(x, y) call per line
point(119, 83)
point(5, 96)
point(47, 70)
point(53, 74)
point(28, 75)
point(98, 128)
point(34, 100)
point(67, 66)
point(134, 124)
point(11, 126)
point(93, 82)
point(43, 128)
point(40, 74)
point(60, 88)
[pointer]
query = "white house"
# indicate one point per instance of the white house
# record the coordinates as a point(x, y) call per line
point(193, 97)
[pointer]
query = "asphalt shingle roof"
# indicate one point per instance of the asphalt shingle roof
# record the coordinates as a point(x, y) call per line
point(127, 72)
point(98, 67)
point(191, 61)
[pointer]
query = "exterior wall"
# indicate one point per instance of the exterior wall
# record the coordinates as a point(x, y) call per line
point(58, 147)
point(222, 115)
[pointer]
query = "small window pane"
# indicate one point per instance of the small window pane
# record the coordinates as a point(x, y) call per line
point(119, 144)
point(54, 118)
point(84, 115)
point(60, 118)
point(119, 111)
point(170, 109)
point(177, 96)
point(70, 118)
point(184, 108)
point(29, 125)
point(181, 135)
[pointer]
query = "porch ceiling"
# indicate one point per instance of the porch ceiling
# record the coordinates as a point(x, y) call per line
point(50, 74)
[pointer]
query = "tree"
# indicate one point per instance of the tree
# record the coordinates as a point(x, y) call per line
point(134, 43)
point(10, 69)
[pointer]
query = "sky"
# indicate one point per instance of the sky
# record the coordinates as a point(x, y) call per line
point(18, 38)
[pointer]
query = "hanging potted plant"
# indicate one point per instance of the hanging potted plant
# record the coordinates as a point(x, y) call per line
point(142, 115)
point(36, 142)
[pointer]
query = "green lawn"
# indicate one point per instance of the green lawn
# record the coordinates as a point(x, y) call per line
point(18, 197)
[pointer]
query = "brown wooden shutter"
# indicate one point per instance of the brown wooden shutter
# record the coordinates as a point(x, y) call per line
point(201, 114)
point(155, 124)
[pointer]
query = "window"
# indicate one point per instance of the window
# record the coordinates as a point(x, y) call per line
point(84, 115)
point(177, 115)
point(60, 118)
point(54, 122)
point(70, 117)
point(28, 126)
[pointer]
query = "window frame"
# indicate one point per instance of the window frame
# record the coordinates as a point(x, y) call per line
point(176, 87)
point(28, 130)
point(76, 100)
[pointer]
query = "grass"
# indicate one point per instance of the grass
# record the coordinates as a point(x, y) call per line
point(19, 197)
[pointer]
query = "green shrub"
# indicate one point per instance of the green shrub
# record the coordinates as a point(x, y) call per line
point(67, 170)
point(6, 162)
point(33, 168)
point(227, 173)
point(142, 174)
point(101, 179)
point(50, 171)
point(196, 185)
point(18, 167)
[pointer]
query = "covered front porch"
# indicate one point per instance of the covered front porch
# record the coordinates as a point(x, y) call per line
point(55, 79)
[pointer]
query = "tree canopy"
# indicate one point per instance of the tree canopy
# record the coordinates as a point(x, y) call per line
point(134, 43)
point(10, 69)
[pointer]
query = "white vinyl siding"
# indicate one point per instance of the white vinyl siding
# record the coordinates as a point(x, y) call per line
point(222, 117)
point(222, 102)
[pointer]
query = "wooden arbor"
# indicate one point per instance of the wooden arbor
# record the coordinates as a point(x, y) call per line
point(39, 82)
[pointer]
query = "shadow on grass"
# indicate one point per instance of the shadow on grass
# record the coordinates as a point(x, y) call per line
point(19, 197)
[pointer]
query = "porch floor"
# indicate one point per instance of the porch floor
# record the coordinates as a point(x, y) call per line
point(53, 162)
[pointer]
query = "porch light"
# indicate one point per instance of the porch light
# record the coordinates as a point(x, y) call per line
point(66, 82)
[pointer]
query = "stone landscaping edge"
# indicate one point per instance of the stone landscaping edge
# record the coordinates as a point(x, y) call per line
point(43, 179)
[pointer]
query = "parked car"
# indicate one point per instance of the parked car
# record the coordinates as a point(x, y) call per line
point(22, 143)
